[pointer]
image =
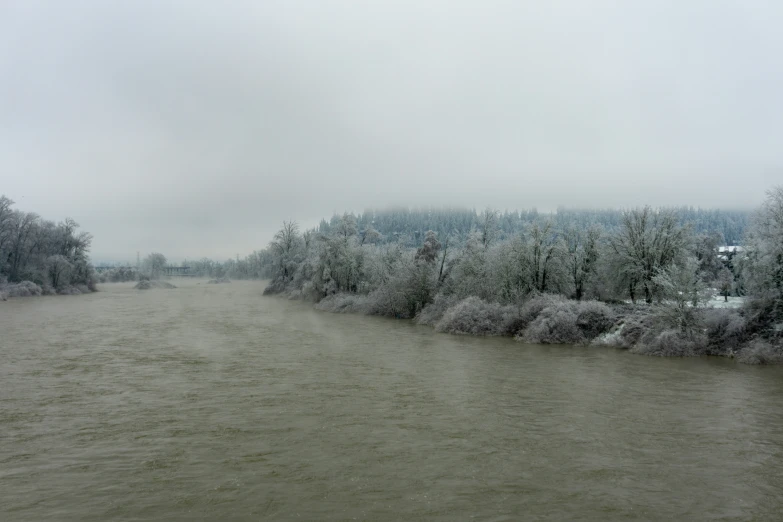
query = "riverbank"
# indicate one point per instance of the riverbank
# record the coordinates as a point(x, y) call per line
point(30, 289)
point(746, 333)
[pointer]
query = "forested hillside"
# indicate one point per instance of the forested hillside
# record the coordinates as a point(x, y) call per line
point(412, 224)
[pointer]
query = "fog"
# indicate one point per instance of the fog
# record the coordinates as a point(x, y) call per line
point(196, 128)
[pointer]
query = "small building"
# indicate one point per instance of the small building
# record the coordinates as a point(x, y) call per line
point(727, 253)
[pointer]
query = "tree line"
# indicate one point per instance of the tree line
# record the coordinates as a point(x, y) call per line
point(668, 260)
point(54, 257)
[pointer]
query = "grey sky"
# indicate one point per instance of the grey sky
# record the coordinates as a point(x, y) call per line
point(195, 128)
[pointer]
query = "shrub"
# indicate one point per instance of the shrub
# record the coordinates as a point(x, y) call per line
point(309, 292)
point(474, 316)
point(23, 289)
point(555, 320)
point(434, 312)
point(726, 331)
point(148, 285)
point(388, 301)
point(762, 352)
point(276, 286)
point(534, 306)
point(764, 316)
point(671, 343)
point(635, 328)
point(343, 303)
point(594, 318)
point(555, 324)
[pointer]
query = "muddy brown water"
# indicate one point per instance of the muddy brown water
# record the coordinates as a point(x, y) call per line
point(212, 402)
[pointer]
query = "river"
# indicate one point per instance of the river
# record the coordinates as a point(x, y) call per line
point(212, 402)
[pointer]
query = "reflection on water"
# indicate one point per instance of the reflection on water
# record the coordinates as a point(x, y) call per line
point(211, 401)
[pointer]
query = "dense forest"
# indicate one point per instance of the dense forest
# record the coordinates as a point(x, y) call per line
point(640, 278)
point(39, 256)
point(411, 224)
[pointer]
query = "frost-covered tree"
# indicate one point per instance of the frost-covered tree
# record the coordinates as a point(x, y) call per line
point(22, 231)
point(347, 227)
point(59, 270)
point(681, 291)
point(725, 282)
point(6, 215)
point(154, 265)
point(706, 251)
point(580, 257)
point(33, 249)
point(469, 275)
point(370, 236)
point(647, 242)
point(489, 227)
point(428, 252)
point(543, 254)
point(285, 245)
point(763, 265)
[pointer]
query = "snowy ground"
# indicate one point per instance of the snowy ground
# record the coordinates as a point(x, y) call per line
point(718, 301)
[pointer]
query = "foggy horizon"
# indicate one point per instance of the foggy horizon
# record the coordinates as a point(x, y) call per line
point(194, 129)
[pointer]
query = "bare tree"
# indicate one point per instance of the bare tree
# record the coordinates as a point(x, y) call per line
point(725, 282)
point(763, 266)
point(370, 235)
point(682, 291)
point(542, 253)
point(581, 256)
point(428, 252)
point(22, 224)
point(154, 265)
point(648, 241)
point(347, 226)
point(58, 269)
point(489, 223)
point(287, 237)
point(6, 216)
point(307, 238)
point(285, 243)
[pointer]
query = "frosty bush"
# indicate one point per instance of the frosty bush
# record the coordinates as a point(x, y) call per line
point(343, 303)
point(726, 331)
point(276, 286)
point(146, 284)
point(474, 316)
point(389, 302)
point(555, 324)
point(69, 290)
point(433, 312)
point(637, 327)
point(23, 289)
point(533, 307)
point(555, 320)
point(671, 343)
point(594, 318)
point(762, 352)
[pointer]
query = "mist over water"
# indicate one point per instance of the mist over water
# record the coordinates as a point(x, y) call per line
point(212, 402)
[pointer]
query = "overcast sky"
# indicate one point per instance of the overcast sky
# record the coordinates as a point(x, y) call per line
point(195, 128)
